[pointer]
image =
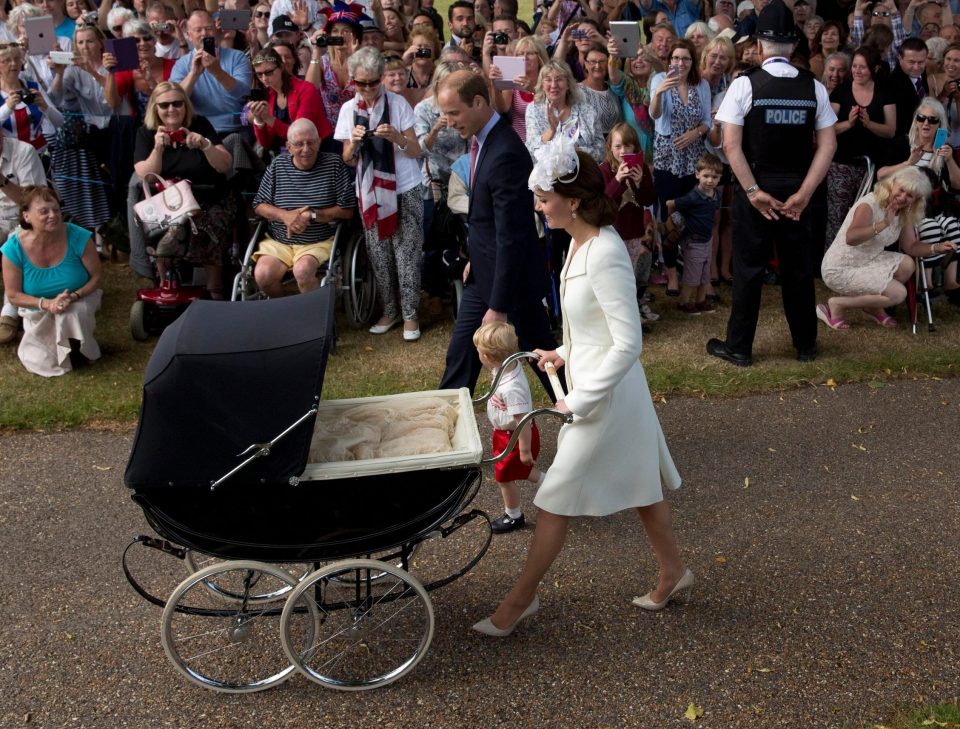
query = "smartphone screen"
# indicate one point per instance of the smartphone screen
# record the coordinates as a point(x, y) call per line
point(258, 94)
point(210, 45)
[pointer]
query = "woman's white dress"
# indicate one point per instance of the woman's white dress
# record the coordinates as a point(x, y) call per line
point(613, 456)
point(865, 268)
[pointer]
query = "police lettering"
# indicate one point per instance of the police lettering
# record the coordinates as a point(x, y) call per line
point(786, 116)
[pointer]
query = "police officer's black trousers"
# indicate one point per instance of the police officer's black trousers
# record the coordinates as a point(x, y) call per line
point(755, 241)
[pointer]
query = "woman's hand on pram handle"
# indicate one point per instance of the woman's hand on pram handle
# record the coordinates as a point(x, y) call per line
point(544, 356)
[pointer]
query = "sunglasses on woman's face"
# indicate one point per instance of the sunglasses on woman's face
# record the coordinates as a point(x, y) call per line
point(261, 14)
point(164, 105)
point(934, 120)
point(367, 84)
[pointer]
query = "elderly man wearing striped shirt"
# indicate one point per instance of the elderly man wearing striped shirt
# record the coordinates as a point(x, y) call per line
point(301, 195)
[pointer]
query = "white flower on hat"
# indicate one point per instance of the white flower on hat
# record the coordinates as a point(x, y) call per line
point(556, 161)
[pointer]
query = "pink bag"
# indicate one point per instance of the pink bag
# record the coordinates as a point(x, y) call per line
point(157, 213)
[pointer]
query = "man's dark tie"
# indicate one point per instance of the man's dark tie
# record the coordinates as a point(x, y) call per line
point(921, 92)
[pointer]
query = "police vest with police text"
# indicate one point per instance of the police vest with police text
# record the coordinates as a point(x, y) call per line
point(778, 131)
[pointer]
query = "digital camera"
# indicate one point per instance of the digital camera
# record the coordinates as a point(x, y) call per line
point(324, 41)
point(501, 38)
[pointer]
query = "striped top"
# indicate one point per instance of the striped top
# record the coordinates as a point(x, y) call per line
point(329, 182)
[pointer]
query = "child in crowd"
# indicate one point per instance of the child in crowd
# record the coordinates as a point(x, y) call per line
point(496, 341)
point(698, 208)
point(630, 186)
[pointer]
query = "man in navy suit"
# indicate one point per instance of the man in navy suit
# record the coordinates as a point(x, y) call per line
point(507, 275)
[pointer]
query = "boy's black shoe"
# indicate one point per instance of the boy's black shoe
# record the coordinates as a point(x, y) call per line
point(507, 523)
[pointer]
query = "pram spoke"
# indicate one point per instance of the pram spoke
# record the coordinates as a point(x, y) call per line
point(377, 624)
point(238, 651)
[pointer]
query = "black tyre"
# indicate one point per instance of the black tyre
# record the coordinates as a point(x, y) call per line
point(138, 321)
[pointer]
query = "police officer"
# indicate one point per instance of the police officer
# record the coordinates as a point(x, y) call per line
point(771, 116)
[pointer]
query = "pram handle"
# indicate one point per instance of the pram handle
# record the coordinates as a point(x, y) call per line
point(503, 368)
point(565, 417)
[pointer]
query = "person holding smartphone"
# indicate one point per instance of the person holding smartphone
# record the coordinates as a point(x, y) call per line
point(948, 84)
point(930, 152)
point(287, 99)
point(680, 104)
point(216, 79)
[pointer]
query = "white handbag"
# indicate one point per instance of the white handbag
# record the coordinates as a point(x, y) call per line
point(157, 213)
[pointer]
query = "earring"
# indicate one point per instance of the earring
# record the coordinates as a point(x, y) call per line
point(573, 215)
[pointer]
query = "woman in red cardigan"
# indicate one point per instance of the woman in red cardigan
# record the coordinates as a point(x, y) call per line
point(288, 99)
point(129, 91)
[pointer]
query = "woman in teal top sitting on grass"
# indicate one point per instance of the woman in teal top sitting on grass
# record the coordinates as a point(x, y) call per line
point(51, 271)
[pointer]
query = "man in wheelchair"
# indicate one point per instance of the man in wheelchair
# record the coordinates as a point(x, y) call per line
point(302, 195)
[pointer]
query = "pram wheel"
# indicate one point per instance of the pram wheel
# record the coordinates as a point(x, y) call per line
point(230, 644)
point(372, 631)
point(196, 561)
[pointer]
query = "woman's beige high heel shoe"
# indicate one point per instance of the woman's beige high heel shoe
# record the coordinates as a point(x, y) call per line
point(487, 627)
point(685, 583)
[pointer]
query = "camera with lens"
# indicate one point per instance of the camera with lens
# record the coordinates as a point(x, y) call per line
point(90, 17)
point(324, 41)
point(500, 38)
point(27, 96)
point(423, 53)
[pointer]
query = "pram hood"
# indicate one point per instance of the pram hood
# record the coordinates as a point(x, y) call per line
point(224, 376)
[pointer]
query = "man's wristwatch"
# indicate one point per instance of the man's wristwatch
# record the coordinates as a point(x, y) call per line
point(752, 189)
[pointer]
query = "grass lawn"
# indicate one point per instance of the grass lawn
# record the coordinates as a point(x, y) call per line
point(107, 394)
point(929, 717)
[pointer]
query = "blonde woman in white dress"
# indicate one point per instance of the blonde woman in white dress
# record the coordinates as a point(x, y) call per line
point(613, 456)
point(859, 269)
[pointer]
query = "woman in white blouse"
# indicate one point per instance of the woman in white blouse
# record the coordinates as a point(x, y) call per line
point(559, 108)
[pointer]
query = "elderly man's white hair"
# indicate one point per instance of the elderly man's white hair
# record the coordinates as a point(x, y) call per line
point(303, 127)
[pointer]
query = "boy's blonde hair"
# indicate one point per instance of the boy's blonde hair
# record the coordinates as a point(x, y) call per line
point(497, 339)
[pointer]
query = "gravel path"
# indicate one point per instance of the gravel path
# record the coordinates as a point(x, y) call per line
point(821, 525)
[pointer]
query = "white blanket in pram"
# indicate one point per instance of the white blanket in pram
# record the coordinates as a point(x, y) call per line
point(385, 430)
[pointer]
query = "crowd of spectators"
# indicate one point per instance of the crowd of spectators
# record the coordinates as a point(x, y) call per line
point(326, 111)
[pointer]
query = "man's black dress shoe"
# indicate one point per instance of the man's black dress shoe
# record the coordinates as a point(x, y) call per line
point(807, 355)
point(719, 349)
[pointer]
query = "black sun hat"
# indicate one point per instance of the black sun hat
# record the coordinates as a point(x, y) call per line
point(775, 23)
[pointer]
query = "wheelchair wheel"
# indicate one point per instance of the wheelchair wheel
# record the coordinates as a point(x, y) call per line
point(196, 561)
point(371, 632)
point(138, 321)
point(359, 282)
point(231, 645)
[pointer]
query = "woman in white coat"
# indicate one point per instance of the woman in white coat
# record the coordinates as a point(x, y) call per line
point(613, 456)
